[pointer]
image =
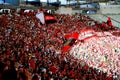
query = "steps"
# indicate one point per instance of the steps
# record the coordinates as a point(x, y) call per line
point(100, 18)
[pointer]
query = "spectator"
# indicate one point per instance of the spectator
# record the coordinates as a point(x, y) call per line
point(24, 41)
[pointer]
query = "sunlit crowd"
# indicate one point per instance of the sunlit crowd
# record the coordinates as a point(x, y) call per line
point(31, 51)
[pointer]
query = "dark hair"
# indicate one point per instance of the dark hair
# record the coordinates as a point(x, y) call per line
point(35, 77)
point(22, 76)
point(2, 65)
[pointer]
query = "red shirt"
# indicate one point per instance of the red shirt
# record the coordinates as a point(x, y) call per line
point(32, 63)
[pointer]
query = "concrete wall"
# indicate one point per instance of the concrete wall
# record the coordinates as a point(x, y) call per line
point(104, 9)
point(70, 11)
point(63, 10)
point(110, 9)
point(76, 11)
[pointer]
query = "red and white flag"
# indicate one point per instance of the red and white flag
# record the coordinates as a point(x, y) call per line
point(44, 17)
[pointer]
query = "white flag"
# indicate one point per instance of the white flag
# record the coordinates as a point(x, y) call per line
point(40, 16)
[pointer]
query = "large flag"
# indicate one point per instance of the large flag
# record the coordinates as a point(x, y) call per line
point(44, 17)
point(73, 35)
point(86, 34)
point(71, 38)
point(68, 44)
point(66, 48)
point(49, 18)
point(67, 36)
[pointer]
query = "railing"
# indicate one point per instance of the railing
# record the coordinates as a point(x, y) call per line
point(85, 8)
point(23, 7)
point(113, 19)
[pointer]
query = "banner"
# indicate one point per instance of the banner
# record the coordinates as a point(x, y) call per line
point(87, 34)
point(73, 35)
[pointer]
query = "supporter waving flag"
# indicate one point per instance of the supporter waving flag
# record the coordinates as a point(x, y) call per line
point(109, 22)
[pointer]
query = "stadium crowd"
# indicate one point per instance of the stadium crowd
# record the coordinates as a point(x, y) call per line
point(30, 51)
